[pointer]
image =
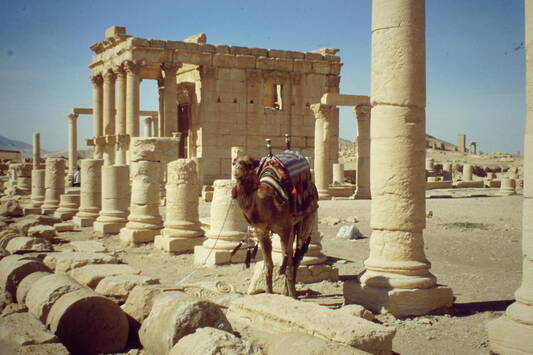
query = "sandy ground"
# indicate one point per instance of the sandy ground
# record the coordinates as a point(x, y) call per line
point(472, 243)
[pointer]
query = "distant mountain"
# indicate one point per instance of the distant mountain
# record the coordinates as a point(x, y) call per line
point(11, 144)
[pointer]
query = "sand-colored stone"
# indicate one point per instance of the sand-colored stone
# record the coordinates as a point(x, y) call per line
point(338, 173)
point(322, 166)
point(64, 227)
point(281, 314)
point(25, 244)
point(24, 178)
point(211, 340)
point(182, 230)
point(89, 246)
point(20, 329)
point(54, 184)
point(46, 291)
point(37, 188)
point(91, 275)
point(90, 192)
point(140, 301)
point(154, 149)
point(115, 200)
point(227, 228)
point(507, 187)
point(175, 315)
point(42, 231)
point(66, 261)
point(69, 203)
point(362, 113)
point(43, 349)
point(119, 286)
point(304, 344)
point(27, 283)
point(467, 172)
point(14, 268)
point(86, 322)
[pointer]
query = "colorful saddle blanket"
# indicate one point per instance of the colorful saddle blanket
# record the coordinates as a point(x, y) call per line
point(289, 174)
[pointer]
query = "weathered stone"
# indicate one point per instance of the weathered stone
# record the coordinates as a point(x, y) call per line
point(11, 208)
point(18, 329)
point(213, 341)
point(23, 224)
point(88, 246)
point(6, 237)
point(119, 286)
point(140, 301)
point(305, 344)
point(64, 227)
point(43, 349)
point(14, 268)
point(175, 315)
point(91, 275)
point(358, 311)
point(154, 149)
point(350, 232)
point(221, 293)
point(66, 261)
point(88, 323)
point(280, 314)
point(46, 291)
point(42, 231)
point(22, 244)
point(13, 308)
point(27, 283)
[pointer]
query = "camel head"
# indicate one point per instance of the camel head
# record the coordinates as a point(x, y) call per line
point(244, 166)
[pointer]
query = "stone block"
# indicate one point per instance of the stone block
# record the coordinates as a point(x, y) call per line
point(175, 315)
point(88, 246)
point(11, 208)
point(64, 227)
point(88, 323)
point(20, 329)
point(14, 268)
point(31, 210)
point(23, 244)
point(83, 221)
point(42, 231)
point(154, 149)
point(303, 344)
point(66, 261)
point(43, 349)
point(176, 245)
point(119, 286)
point(213, 341)
point(27, 283)
point(133, 236)
point(280, 314)
point(91, 275)
point(46, 291)
point(210, 257)
point(103, 228)
point(140, 301)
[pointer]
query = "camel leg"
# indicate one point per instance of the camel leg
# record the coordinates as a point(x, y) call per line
point(266, 248)
point(303, 232)
point(287, 240)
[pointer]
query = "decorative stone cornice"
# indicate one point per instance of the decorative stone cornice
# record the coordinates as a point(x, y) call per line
point(119, 71)
point(322, 111)
point(131, 68)
point(109, 76)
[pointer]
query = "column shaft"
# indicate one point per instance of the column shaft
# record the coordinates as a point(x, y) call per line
point(54, 184)
point(363, 152)
point(322, 167)
point(90, 192)
point(72, 143)
point(161, 120)
point(148, 127)
point(109, 116)
point(36, 150)
point(170, 99)
point(132, 99)
point(120, 124)
point(98, 99)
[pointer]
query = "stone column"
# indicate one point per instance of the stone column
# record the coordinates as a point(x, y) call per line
point(430, 163)
point(54, 184)
point(120, 119)
point(227, 228)
point(161, 114)
point(461, 143)
point(109, 116)
point(23, 178)
point(132, 98)
point(512, 333)
point(72, 144)
point(155, 126)
point(36, 150)
point(507, 187)
point(447, 171)
point(322, 167)
point(37, 192)
point(182, 230)
point(98, 100)
point(397, 278)
point(338, 173)
point(148, 127)
point(69, 203)
point(170, 98)
point(115, 200)
point(90, 192)
point(362, 113)
point(467, 172)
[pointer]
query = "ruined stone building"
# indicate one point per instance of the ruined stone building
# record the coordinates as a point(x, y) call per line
point(215, 96)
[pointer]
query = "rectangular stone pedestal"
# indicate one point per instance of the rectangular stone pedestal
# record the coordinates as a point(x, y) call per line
point(107, 228)
point(138, 236)
point(64, 216)
point(399, 302)
point(177, 245)
point(83, 221)
point(32, 210)
point(210, 257)
point(48, 211)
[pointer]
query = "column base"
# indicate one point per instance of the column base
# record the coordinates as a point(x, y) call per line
point(177, 245)
point(510, 337)
point(64, 216)
point(48, 210)
point(308, 274)
point(83, 221)
point(398, 302)
point(102, 228)
point(31, 210)
point(137, 236)
point(210, 257)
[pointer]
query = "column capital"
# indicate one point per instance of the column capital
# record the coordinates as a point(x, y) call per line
point(170, 68)
point(362, 111)
point(109, 75)
point(131, 68)
point(97, 80)
point(322, 111)
point(119, 71)
point(73, 117)
point(148, 119)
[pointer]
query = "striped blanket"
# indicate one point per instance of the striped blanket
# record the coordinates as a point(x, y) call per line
point(289, 174)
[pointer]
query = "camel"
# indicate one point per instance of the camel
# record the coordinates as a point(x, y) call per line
point(263, 210)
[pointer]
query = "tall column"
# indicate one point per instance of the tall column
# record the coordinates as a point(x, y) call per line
point(155, 126)
point(170, 98)
point(338, 174)
point(148, 127)
point(109, 117)
point(24, 178)
point(362, 113)
point(397, 278)
point(54, 184)
point(161, 113)
point(322, 167)
point(467, 172)
point(90, 192)
point(36, 150)
point(120, 119)
point(98, 99)
point(513, 332)
point(115, 200)
point(182, 225)
point(37, 192)
point(132, 98)
point(72, 143)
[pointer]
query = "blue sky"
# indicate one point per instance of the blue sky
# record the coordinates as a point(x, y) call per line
point(475, 65)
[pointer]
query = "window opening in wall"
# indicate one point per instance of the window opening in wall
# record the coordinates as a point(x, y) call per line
point(273, 97)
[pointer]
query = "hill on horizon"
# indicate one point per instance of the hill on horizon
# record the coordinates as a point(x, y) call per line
point(11, 144)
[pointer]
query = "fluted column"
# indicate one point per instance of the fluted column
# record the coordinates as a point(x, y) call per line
point(120, 119)
point(148, 126)
point(72, 144)
point(397, 278)
point(170, 98)
point(109, 117)
point(98, 99)
point(132, 98)
point(322, 167)
point(161, 113)
point(362, 113)
point(36, 150)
